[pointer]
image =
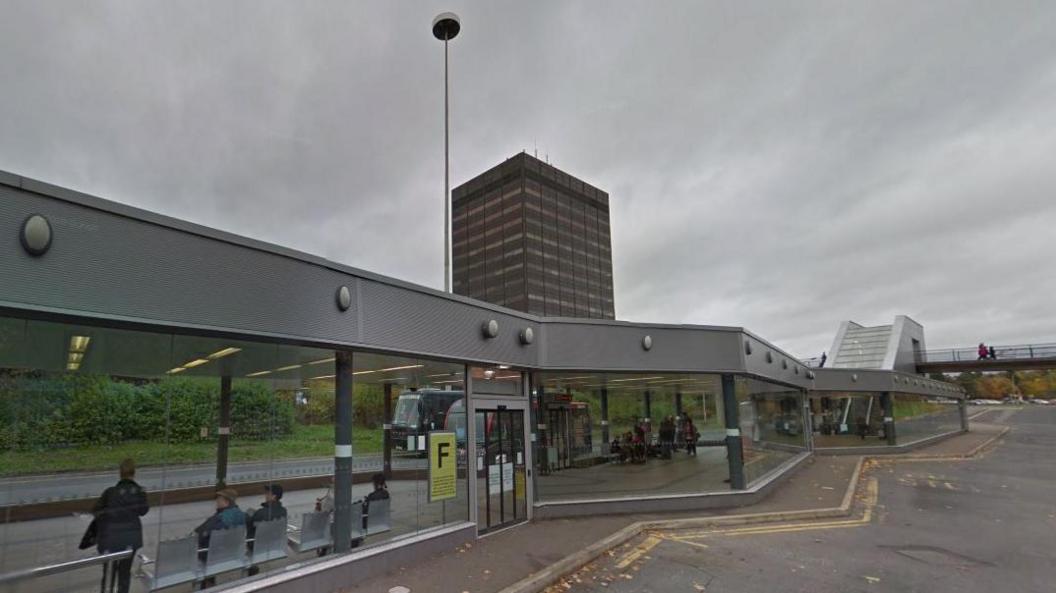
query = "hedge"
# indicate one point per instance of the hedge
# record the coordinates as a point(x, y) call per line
point(41, 410)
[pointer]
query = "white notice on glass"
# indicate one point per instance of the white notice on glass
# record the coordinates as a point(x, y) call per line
point(421, 442)
point(520, 458)
point(410, 442)
point(507, 477)
point(493, 479)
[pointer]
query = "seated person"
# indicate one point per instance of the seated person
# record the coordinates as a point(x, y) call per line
point(227, 515)
point(270, 509)
point(381, 492)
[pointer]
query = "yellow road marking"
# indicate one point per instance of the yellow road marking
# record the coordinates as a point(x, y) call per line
point(869, 502)
point(640, 550)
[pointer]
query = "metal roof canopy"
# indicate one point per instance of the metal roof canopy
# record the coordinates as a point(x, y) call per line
point(111, 264)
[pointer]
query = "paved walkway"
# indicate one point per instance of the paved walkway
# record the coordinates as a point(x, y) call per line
point(495, 562)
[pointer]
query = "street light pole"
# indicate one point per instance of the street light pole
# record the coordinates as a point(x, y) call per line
point(445, 28)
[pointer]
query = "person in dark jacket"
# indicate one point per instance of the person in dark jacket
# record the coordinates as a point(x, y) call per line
point(119, 528)
point(381, 492)
point(269, 510)
point(227, 515)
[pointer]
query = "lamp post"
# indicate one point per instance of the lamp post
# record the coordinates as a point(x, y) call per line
point(445, 28)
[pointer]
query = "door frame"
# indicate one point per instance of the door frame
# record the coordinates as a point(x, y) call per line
point(489, 402)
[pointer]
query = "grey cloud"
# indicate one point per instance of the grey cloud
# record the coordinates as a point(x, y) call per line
point(781, 167)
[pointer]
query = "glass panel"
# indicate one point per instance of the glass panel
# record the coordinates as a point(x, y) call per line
point(76, 401)
point(848, 420)
point(627, 435)
point(918, 417)
point(771, 421)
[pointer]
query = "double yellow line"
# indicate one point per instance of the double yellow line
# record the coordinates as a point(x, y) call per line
point(869, 503)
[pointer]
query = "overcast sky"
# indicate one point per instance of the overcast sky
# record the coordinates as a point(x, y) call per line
point(778, 166)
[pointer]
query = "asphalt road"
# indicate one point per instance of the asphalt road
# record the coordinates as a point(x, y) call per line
point(982, 525)
point(28, 489)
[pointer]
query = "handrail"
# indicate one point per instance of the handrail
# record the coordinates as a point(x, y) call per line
point(1014, 352)
point(50, 569)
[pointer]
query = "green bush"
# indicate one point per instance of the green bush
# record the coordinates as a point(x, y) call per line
point(257, 413)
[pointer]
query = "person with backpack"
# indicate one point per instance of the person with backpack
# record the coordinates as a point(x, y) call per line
point(118, 526)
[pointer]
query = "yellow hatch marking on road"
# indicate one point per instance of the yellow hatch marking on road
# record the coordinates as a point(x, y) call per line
point(869, 501)
point(640, 550)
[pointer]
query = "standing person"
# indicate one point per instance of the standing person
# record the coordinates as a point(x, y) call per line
point(993, 353)
point(983, 351)
point(690, 433)
point(269, 510)
point(118, 526)
point(824, 357)
point(227, 515)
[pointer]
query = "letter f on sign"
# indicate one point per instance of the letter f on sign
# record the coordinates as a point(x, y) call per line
point(441, 452)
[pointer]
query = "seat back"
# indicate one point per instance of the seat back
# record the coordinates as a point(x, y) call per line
point(315, 531)
point(176, 562)
point(269, 541)
point(378, 519)
point(358, 532)
point(227, 551)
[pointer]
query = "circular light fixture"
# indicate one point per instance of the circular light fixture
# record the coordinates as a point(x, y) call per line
point(527, 336)
point(854, 377)
point(36, 235)
point(446, 26)
point(344, 298)
point(490, 329)
point(647, 342)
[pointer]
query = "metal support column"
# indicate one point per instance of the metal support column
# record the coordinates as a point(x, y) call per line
point(888, 402)
point(734, 451)
point(223, 431)
point(387, 436)
point(678, 404)
point(963, 407)
point(343, 452)
point(604, 419)
point(648, 409)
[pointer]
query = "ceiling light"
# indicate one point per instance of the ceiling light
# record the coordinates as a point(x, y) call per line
point(323, 360)
point(322, 377)
point(509, 377)
point(76, 357)
point(176, 370)
point(79, 343)
point(222, 353)
point(634, 379)
point(289, 368)
point(441, 375)
point(504, 366)
point(195, 363)
point(259, 374)
point(73, 366)
point(410, 366)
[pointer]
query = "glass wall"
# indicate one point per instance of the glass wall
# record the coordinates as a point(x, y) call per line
point(918, 417)
point(772, 427)
point(847, 419)
point(603, 436)
point(196, 415)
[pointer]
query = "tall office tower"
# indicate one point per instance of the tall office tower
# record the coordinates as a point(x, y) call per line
point(531, 237)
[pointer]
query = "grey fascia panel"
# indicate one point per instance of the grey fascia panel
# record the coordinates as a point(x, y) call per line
point(874, 380)
point(116, 263)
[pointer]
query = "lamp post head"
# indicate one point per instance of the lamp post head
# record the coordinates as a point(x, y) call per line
point(446, 26)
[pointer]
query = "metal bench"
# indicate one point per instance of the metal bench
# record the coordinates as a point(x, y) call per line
point(269, 542)
point(378, 517)
point(226, 552)
point(176, 563)
point(314, 532)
